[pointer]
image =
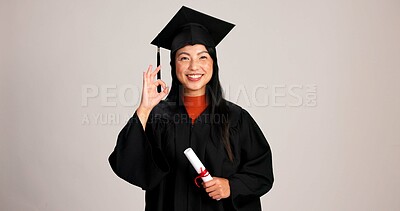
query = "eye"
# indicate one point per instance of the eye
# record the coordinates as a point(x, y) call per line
point(203, 57)
point(183, 58)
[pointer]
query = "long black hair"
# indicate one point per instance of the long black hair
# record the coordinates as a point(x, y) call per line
point(218, 105)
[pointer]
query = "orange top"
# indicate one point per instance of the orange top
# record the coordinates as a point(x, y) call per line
point(195, 106)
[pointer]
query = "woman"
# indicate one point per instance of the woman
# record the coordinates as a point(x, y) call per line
point(149, 150)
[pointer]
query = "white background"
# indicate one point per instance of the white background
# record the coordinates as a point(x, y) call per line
point(340, 153)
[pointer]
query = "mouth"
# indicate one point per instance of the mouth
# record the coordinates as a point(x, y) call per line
point(194, 77)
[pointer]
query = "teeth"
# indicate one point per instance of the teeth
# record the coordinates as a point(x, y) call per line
point(194, 76)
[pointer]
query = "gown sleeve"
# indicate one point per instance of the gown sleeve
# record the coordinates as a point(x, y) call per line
point(255, 175)
point(136, 159)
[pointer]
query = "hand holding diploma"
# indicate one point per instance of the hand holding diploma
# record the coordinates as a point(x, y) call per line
point(217, 188)
point(198, 166)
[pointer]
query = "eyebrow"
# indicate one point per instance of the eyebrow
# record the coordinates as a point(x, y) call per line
point(189, 54)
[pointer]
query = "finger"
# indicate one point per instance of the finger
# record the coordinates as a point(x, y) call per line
point(162, 95)
point(160, 82)
point(145, 82)
point(214, 182)
point(213, 193)
point(212, 189)
point(145, 75)
point(209, 183)
point(215, 196)
point(148, 73)
point(149, 69)
point(166, 91)
point(154, 73)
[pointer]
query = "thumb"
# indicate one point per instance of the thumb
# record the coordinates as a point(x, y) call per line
point(163, 93)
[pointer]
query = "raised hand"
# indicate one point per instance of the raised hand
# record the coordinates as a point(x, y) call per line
point(150, 96)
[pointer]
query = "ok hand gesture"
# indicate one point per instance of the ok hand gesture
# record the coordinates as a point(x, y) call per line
point(150, 96)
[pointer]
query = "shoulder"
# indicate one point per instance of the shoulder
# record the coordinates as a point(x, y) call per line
point(237, 114)
point(233, 108)
point(163, 107)
point(164, 110)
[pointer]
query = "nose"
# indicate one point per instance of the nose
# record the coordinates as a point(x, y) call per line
point(193, 65)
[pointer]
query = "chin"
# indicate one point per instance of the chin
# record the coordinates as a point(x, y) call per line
point(195, 90)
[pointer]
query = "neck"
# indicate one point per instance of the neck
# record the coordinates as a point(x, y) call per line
point(195, 105)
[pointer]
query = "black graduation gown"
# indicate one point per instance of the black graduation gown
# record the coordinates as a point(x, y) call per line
point(153, 159)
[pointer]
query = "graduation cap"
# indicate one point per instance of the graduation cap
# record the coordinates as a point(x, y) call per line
point(189, 27)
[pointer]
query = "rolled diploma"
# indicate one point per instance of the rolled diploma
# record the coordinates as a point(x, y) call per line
point(196, 163)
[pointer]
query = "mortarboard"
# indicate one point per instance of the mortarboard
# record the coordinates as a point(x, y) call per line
point(189, 26)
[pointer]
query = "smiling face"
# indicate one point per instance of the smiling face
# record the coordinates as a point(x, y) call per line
point(194, 69)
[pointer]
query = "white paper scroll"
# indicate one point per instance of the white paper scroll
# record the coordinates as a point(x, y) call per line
point(196, 163)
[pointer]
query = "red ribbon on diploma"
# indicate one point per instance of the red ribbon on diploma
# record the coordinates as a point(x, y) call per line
point(203, 173)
